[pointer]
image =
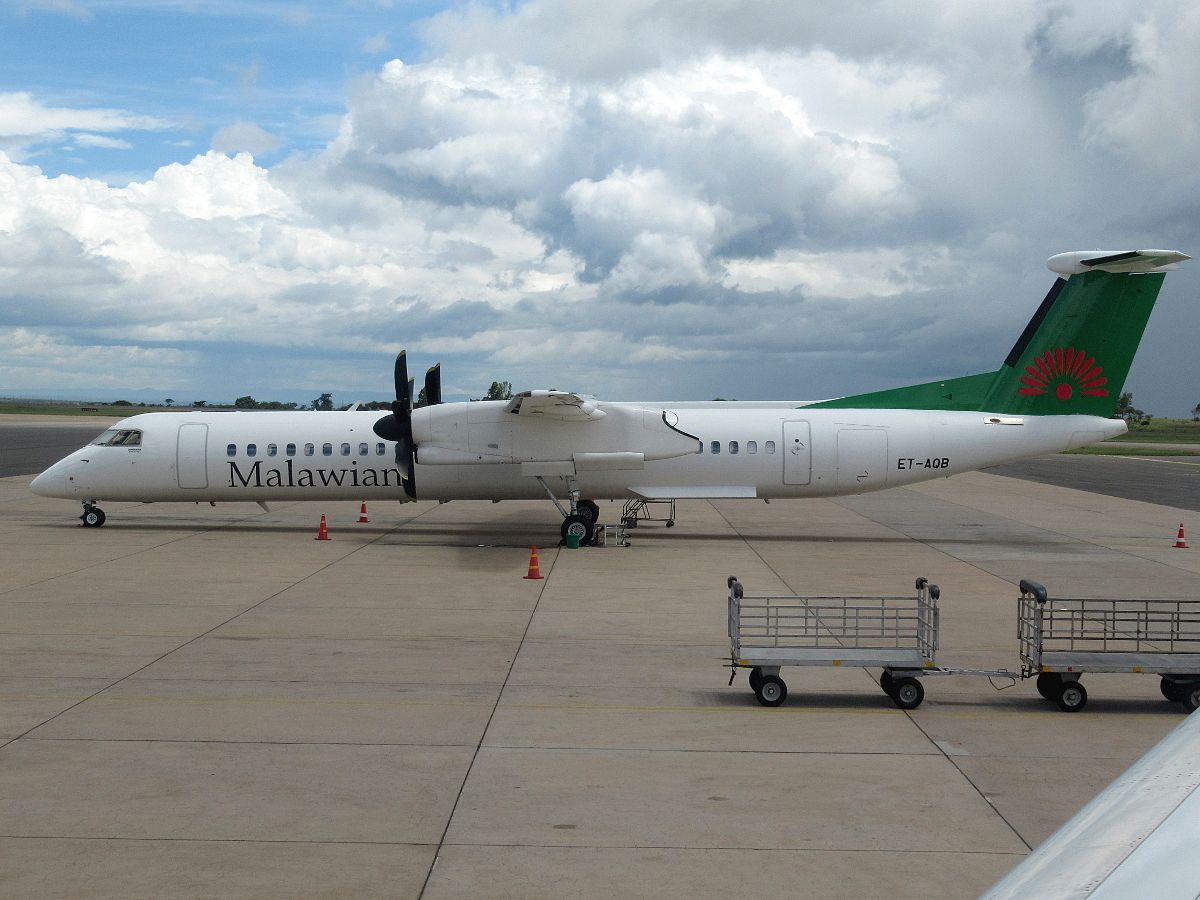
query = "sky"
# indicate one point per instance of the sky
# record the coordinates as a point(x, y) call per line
point(634, 199)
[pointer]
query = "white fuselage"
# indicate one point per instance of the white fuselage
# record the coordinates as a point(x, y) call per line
point(479, 451)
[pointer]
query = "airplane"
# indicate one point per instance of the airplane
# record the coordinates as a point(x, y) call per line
point(1056, 390)
point(1133, 839)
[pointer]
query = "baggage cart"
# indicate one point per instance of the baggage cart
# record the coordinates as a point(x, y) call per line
point(896, 634)
point(1062, 638)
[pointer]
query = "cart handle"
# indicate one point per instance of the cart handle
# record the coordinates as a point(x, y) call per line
point(1034, 588)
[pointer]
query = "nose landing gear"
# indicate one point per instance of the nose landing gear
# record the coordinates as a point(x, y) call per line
point(93, 516)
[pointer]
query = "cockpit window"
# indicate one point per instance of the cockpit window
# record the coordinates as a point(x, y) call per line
point(119, 437)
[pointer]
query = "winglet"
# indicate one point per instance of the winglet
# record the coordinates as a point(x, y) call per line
point(1118, 261)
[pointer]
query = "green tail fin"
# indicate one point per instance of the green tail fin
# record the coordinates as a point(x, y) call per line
point(1072, 357)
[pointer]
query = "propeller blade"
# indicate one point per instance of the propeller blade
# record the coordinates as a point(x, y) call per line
point(433, 385)
point(403, 384)
point(397, 426)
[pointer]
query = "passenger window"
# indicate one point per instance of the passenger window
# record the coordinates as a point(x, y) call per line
point(308, 449)
point(733, 447)
point(715, 446)
point(345, 449)
point(751, 447)
point(769, 446)
point(379, 449)
point(327, 449)
point(272, 450)
point(231, 450)
point(363, 449)
point(291, 449)
point(252, 449)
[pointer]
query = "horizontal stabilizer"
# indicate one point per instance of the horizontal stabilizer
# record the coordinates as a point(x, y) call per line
point(1120, 261)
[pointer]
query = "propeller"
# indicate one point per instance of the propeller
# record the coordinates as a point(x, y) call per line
point(433, 385)
point(397, 426)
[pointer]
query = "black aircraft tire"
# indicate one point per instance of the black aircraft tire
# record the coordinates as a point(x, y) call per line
point(93, 517)
point(589, 510)
point(577, 525)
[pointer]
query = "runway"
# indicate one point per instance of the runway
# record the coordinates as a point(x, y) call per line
point(206, 701)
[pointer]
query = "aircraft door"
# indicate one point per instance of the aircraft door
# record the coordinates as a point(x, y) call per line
point(862, 458)
point(797, 453)
point(191, 456)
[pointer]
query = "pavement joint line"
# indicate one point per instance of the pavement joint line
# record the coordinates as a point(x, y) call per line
point(951, 759)
point(487, 725)
point(676, 847)
point(197, 637)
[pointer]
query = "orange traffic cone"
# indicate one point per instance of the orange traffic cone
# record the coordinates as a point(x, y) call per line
point(535, 573)
point(362, 513)
point(323, 531)
point(1181, 541)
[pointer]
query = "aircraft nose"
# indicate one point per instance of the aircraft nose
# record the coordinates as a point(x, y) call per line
point(56, 481)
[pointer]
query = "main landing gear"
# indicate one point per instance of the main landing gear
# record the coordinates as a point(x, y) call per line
point(93, 516)
point(581, 520)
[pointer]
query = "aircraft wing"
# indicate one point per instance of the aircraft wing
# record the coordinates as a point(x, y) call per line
point(1136, 838)
point(564, 405)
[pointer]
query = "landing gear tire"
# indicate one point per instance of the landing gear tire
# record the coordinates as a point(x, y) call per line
point(93, 517)
point(578, 526)
point(1072, 697)
point(771, 690)
point(907, 693)
point(589, 510)
point(1048, 684)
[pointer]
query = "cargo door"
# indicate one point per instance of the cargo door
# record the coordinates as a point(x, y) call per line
point(191, 456)
point(797, 453)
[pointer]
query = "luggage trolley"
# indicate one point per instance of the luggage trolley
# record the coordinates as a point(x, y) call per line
point(898, 634)
point(1061, 639)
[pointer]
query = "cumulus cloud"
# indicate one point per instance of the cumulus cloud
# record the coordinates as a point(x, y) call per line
point(245, 137)
point(689, 195)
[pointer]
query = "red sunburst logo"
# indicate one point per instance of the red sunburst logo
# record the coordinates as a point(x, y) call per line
point(1064, 372)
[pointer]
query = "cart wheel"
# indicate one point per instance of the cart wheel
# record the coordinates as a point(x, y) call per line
point(1071, 696)
point(907, 693)
point(886, 682)
point(1048, 684)
point(1172, 690)
point(771, 690)
point(756, 678)
point(1191, 696)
